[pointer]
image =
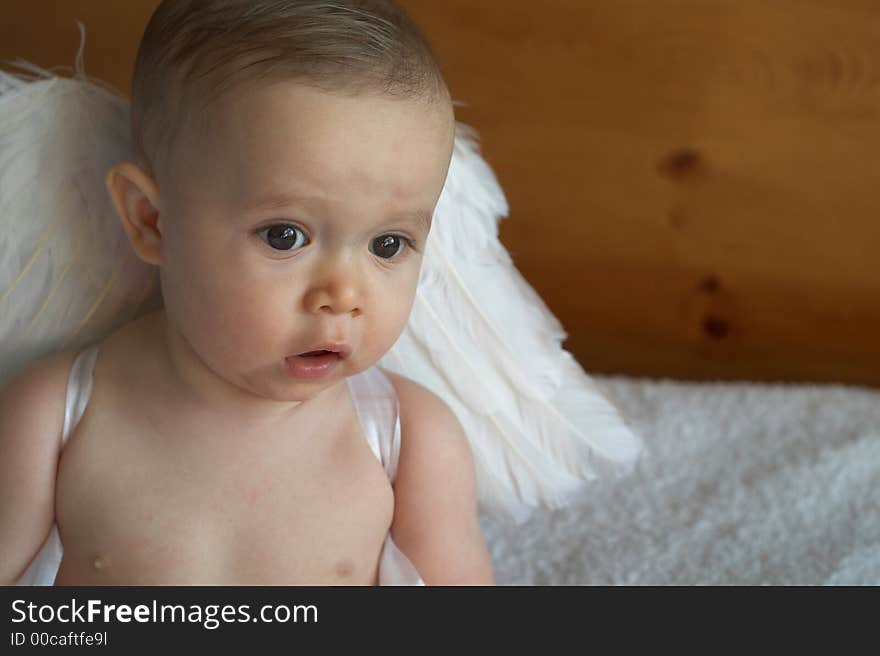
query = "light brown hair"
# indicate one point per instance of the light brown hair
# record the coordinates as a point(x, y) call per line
point(193, 51)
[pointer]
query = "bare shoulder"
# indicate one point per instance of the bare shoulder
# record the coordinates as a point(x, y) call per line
point(421, 410)
point(32, 406)
point(435, 516)
point(37, 393)
point(431, 435)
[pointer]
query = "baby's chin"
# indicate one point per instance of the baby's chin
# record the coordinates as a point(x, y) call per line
point(293, 395)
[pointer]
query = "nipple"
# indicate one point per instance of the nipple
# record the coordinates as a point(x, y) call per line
point(99, 563)
point(344, 569)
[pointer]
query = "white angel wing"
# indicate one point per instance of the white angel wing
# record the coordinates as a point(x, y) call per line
point(483, 340)
point(68, 275)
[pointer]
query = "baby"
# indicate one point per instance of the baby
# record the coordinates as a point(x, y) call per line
point(289, 156)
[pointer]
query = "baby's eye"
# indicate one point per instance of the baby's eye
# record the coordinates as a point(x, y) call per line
point(387, 246)
point(284, 237)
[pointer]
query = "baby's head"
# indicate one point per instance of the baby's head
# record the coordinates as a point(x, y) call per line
point(289, 155)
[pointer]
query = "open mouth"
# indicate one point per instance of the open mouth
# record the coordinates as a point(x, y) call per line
point(341, 350)
point(319, 362)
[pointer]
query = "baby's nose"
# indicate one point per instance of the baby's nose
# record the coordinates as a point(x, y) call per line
point(339, 294)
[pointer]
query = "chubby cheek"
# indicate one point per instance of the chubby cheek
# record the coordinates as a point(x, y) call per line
point(226, 312)
point(385, 321)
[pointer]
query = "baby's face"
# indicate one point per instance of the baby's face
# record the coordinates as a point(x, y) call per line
point(299, 219)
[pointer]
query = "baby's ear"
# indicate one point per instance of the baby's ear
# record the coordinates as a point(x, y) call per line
point(136, 198)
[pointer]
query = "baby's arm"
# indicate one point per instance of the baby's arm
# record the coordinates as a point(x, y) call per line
point(435, 499)
point(31, 422)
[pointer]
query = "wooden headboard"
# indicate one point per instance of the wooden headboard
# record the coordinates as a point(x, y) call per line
point(693, 185)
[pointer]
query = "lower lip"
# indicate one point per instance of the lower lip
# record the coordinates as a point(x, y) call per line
point(313, 367)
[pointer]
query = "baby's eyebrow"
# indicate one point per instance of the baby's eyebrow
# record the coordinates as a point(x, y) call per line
point(422, 218)
point(277, 201)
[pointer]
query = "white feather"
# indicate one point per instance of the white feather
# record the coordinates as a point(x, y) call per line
point(68, 275)
point(483, 340)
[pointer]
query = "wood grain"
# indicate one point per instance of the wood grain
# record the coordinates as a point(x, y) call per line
point(693, 183)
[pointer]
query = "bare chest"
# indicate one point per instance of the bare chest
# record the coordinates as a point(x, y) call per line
point(137, 508)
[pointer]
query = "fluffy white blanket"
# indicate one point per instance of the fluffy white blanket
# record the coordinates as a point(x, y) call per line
point(740, 484)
